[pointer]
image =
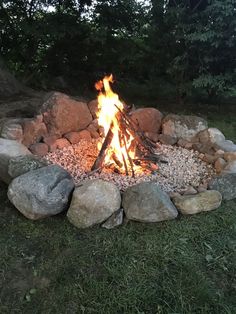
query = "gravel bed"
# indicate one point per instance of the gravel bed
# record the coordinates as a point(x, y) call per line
point(184, 167)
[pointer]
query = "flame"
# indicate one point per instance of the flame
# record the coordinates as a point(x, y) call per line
point(109, 109)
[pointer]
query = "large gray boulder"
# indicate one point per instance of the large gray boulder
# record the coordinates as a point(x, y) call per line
point(201, 202)
point(147, 203)
point(227, 146)
point(93, 202)
point(22, 164)
point(63, 114)
point(225, 184)
point(184, 127)
point(8, 150)
point(42, 192)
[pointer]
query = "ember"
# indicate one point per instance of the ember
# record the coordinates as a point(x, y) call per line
point(125, 148)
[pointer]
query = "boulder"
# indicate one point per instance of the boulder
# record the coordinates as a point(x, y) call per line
point(85, 135)
point(168, 140)
point(154, 137)
point(226, 146)
point(147, 119)
point(115, 220)
point(39, 149)
point(42, 192)
point(145, 202)
point(225, 184)
point(34, 130)
point(93, 107)
point(201, 202)
point(22, 164)
point(185, 127)
point(8, 150)
point(219, 165)
point(12, 130)
point(62, 143)
point(230, 167)
point(230, 156)
point(63, 114)
point(210, 135)
point(73, 137)
point(51, 142)
point(93, 202)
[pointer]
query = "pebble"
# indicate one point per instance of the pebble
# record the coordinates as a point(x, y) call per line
point(184, 167)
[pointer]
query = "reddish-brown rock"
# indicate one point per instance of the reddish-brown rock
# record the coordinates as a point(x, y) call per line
point(51, 142)
point(85, 135)
point(63, 114)
point(62, 142)
point(73, 137)
point(147, 119)
point(39, 149)
point(33, 130)
point(93, 107)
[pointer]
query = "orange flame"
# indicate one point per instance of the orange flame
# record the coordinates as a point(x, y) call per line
point(109, 106)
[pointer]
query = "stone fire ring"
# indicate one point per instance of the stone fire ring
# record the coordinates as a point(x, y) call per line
point(39, 190)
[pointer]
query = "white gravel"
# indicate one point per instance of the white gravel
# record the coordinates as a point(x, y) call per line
point(184, 167)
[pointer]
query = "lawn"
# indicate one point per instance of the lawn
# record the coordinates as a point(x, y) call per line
point(183, 266)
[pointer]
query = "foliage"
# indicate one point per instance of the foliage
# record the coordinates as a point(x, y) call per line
point(190, 44)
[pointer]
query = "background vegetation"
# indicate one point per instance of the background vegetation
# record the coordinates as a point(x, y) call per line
point(176, 48)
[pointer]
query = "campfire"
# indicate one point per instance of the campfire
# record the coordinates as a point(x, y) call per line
point(125, 148)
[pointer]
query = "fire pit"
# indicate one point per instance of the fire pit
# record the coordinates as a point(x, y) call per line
point(105, 157)
point(125, 155)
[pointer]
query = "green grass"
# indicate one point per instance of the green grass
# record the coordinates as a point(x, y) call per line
point(183, 266)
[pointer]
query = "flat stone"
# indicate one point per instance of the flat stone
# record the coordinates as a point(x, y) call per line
point(184, 127)
point(93, 202)
point(201, 202)
point(42, 192)
point(225, 184)
point(63, 114)
point(115, 220)
point(8, 150)
point(145, 202)
point(147, 119)
point(39, 149)
point(22, 164)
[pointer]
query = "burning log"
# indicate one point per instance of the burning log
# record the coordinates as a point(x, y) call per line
point(123, 139)
point(101, 156)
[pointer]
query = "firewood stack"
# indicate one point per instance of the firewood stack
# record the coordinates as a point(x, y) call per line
point(146, 157)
